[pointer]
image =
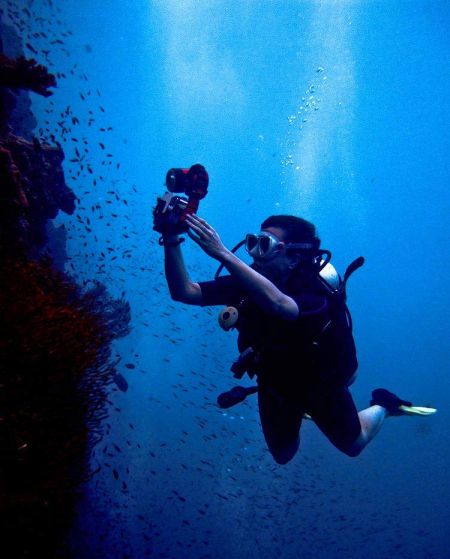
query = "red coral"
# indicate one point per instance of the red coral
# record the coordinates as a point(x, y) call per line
point(54, 375)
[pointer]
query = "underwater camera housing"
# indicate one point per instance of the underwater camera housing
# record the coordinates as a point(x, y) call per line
point(171, 210)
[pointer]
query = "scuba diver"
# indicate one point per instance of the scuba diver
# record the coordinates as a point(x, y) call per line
point(289, 307)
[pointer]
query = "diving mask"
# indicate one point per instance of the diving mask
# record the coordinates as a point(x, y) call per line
point(266, 245)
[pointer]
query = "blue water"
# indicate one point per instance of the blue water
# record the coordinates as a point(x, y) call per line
point(337, 111)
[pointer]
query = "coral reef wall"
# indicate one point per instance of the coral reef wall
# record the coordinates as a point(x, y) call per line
point(55, 336)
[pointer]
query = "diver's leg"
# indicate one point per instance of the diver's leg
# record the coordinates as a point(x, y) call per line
point(383, 404)
point(334, 412)
point(371, 420)
point(280, 423)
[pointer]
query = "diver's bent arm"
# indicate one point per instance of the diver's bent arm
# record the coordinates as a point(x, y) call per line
point(263, 291)
point(181, 288)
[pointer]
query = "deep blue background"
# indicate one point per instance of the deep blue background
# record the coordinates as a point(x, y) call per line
point(336, 111)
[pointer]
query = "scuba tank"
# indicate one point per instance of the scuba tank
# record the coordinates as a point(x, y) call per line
point(331, 280)
point(335, 287)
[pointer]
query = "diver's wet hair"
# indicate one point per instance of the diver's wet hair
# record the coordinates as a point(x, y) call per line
point(297, 229)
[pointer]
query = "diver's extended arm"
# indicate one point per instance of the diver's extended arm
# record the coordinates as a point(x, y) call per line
point(265, 294)
point(180, 286)
point(263, 291)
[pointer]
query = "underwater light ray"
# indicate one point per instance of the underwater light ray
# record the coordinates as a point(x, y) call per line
point(324, 118)
point(199, 70)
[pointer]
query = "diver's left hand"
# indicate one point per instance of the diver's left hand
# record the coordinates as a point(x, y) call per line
point(205, 236)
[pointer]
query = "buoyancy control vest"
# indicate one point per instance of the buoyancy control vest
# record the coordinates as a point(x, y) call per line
point(330, 351)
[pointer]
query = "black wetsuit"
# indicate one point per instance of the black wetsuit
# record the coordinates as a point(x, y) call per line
point(302, 366)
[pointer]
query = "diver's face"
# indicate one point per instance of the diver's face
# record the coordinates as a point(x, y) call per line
point(278, 265)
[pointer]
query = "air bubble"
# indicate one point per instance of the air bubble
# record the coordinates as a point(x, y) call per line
point(287, 161)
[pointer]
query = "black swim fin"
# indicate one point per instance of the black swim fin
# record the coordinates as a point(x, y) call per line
point(234, 396)
point(396, 406)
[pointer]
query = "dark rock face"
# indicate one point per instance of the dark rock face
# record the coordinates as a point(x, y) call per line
point(33, 190)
